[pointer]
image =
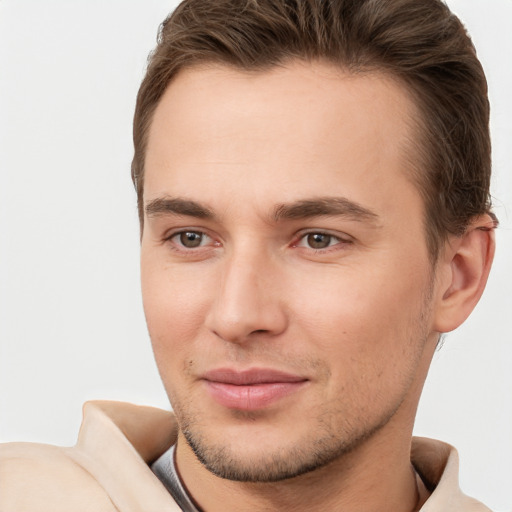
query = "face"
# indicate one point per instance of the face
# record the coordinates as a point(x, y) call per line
point(286, 281)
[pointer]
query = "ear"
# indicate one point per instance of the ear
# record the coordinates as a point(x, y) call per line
point(462, 272)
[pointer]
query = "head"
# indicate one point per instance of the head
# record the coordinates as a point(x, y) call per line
point(418, 43)
point(313, 189)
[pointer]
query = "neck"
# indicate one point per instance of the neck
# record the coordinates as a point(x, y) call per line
point(378, 475)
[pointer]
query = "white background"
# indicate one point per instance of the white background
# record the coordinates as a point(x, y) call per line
point(71, 321)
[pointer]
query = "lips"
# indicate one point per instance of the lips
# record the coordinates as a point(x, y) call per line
point(252, 389)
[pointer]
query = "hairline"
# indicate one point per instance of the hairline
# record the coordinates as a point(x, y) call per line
point(414, 160)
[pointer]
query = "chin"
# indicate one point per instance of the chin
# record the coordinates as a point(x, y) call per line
point(256, 463)
point(260, 456)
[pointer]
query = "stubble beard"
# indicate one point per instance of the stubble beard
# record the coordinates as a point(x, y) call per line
point(319, 447)
point(314, 451)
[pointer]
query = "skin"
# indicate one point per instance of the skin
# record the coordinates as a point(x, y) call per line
point(306, 254)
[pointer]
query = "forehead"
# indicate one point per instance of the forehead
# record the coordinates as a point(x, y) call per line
point(256, 133)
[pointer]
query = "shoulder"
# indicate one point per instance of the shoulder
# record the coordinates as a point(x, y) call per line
point(37, 477)
point(115, 446)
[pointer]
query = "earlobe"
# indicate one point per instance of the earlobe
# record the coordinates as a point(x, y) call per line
point(464, 269)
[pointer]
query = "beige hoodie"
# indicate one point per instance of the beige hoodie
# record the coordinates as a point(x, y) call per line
point(107, 470)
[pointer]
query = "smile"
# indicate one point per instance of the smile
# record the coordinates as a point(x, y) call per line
point(251, 390)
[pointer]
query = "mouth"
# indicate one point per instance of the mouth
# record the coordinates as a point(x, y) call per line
point(250, 390)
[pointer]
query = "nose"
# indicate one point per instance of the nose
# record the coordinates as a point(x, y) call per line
point(247, 303)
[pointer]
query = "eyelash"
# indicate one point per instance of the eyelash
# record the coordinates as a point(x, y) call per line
point(177, 246)
point(340, 242)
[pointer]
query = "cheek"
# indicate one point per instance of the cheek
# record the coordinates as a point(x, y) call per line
point(370, 332)
point(175, 304)
point(365, 316)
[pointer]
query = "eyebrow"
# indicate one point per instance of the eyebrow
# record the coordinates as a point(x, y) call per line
point(177, 206)
point(325, 206)
point(302, 209)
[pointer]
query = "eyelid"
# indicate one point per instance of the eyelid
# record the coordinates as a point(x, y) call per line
point(172, 233)
point(342, 238)
point(169, 233)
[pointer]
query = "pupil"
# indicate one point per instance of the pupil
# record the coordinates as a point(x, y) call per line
point(318, 241)
point(191, 239)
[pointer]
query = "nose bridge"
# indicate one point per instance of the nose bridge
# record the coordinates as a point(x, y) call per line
point(247, 299)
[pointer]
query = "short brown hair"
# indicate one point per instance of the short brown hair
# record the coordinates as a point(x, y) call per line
point(419, 42)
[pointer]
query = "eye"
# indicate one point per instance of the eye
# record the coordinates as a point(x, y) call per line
point(191, 239)
point(318, 240)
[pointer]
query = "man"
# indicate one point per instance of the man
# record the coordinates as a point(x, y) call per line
point(313, 187)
